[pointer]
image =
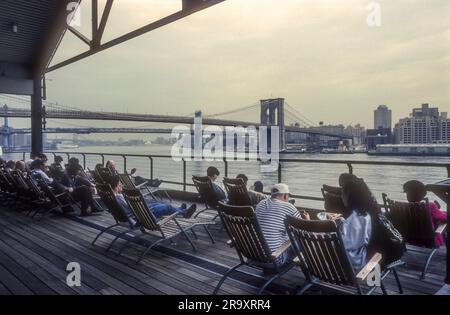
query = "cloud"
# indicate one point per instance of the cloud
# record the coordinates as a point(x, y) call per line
point(320, 55)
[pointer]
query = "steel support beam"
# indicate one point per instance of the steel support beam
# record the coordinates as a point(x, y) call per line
point(105, 16)
point(200, 5)
point(79, 35)
point(95, 40)
point(36, 117)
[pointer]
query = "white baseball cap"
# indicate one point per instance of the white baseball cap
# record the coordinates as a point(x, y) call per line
point(280, 189)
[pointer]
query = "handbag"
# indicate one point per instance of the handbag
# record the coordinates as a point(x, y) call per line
point(388, 240)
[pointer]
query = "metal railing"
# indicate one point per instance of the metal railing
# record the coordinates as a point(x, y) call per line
point(348, 163)
point(183, 182)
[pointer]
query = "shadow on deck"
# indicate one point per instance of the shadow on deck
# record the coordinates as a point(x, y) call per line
point(34, 255)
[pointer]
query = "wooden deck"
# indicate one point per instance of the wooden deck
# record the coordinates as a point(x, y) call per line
point(34, 254)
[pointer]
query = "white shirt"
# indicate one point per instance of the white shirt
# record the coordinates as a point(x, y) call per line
point(356, 231)
point(44, 176)
point(271, 214)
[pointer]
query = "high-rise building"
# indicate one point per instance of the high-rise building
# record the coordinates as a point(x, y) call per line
point(425, 125)
point(382, 118)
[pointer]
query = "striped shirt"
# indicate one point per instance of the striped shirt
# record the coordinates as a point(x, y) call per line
point(271, 214)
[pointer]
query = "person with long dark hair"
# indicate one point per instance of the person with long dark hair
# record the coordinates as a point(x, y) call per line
point(355, 225)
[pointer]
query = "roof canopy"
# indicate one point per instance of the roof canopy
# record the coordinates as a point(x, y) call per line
point(30, 32)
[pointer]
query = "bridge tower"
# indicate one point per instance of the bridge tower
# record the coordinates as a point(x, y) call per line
point(272, 114)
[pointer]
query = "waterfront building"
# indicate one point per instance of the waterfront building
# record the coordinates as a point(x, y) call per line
point(382, 117)
point(425, 125)
point(378, 136)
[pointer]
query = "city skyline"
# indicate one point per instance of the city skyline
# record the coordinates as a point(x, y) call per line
point(334, 66)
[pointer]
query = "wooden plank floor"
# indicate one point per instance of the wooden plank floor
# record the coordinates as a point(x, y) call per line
point(34, 254)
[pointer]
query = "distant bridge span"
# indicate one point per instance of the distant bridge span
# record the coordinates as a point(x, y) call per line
point(115, 116)
point(95, 130)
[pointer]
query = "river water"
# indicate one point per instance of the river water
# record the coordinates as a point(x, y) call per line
point(304, 179)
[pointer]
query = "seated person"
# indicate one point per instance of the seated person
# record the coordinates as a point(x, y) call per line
point(255, 197)
point(40, 168)
point(80, 189)
point(21, 167)
point(30, 164)
point(258, 186)
point(355, 225)
point(158, 209)
point(57, 168)
point(213, 173)
point(111, 165)
point(271, 213)
point(416, 192)
point(10, 165)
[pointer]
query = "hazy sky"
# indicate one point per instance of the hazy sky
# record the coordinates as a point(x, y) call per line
point(320, 55)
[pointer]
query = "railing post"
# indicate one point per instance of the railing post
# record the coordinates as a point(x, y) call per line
point(151, 167)
point(448, 171)
point(84, 160)
point(350, 168)
point(68, 157)
point(184, 174)
point(279, 172)
point(226, 166)
point(103, 159)
point(23, 156)
point(124, 163)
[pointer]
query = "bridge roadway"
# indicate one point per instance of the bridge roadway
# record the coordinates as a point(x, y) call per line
point(114, 116)
point(95, 130)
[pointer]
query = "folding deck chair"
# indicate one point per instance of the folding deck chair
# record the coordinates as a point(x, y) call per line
point(166, 229)
point(237, 192)
point(206, 194)
point(247, 238)
point(324, 261)
point(120, 217)
point(414, 221)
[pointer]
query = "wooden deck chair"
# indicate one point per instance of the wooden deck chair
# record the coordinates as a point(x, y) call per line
point(8, 189)
point(166, 229)
point(246, 237)
point(128, 183)
point(104, 174)
point(324, 261)
point(96, 176)
point(121, 218)
point(16, 190)
point(414, 221)
point(36, 196)
point(56, 200)
point(237, 192)
point(332, 197)
point(206, 194)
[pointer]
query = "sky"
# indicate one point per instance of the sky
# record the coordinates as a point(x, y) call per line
point(320, 55)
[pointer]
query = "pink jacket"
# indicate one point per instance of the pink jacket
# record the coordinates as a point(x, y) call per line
point(438, 216)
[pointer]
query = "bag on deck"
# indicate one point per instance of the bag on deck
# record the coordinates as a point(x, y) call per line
point(387, 240)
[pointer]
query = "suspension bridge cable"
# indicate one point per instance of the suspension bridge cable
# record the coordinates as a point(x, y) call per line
point(300, 114)
point(299, 119)
point(233, 111)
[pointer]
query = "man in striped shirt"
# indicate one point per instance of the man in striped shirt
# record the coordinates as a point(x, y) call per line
point(271, 214)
